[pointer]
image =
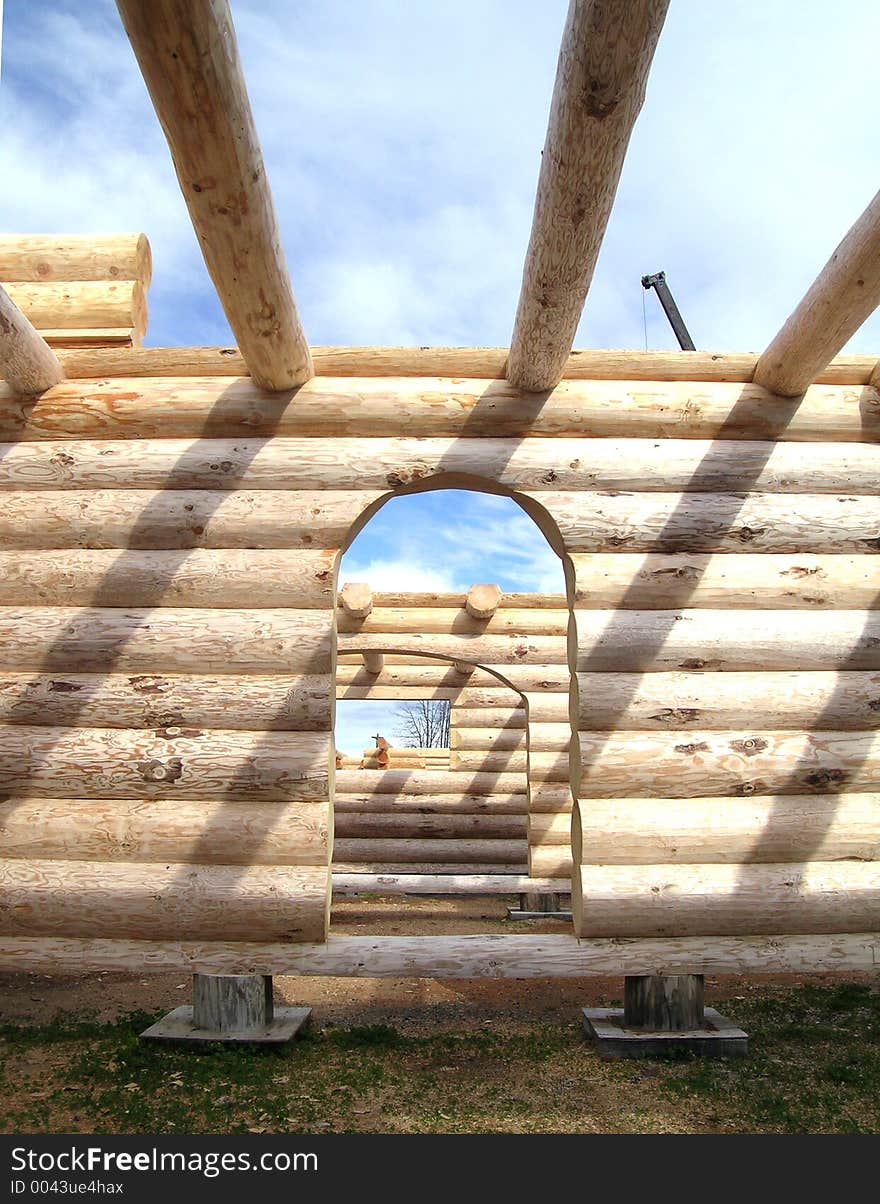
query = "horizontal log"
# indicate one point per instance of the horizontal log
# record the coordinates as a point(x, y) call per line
point(766, 581)
point(725, 900)
point(370, 803)
point(473, 739)
point(475, 649)
point(745, 762)
point(731, 830)
point(481, 761)
point(345, 885)
point(469, 956)
point(529, 464)
point(549, 737)
point(163, 902)
point(715, 522)
point(551, 766)
point(256, 702)
point(407, 783)
point(654, 641)
point(54, 257)
point(548, 708)
point(550, 798)
point(69, 639)
point(475, 362)
point(102, 337)
point(444, 826)
point(551, 861)
point(419, 675)
point(394, 869)
point(167, 831)
point(74, 305)
point(770, 700)
point(44, 762)
point(403, 622)
point(417, 851)
point(509, 718)
point(215, 407)
point(509, 680)
point(199, 577)
point(170, 519)
point(444, 599)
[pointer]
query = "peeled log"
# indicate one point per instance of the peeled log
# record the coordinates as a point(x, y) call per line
point(188, 56)
point(652, 641)
point(404, 621)
point(405, 852)
point(732, 830)
point(528, 464)
point(163, 902)
point(482, 601)
point(468, 649)
point(368, 803)
point(356, 598)
point(715, 522)
point(604, 60)
point(444, 826)
point(721, 701)
point(151, 407)
point(257, 702)
point(171, 519)
point(652, 581)
point(404, 782)
point(511, 718)
point(54, 257)
point(551, 861)
point(73, 639)
point(167, 830)
point(79, 305)
point(44, 762)
point(473, 739)
point(725, 900)
point(26, 362)
point(489, 762)
point(193, 577)
point(675, 765)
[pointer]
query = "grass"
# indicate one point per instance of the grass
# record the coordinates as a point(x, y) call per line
point(814, 1067)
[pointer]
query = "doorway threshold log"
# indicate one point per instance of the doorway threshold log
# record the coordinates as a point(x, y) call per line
point(477, 956)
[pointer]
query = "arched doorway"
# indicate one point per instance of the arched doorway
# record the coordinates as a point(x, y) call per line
point(495, 821)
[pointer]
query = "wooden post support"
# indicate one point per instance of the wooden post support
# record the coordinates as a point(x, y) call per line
point(27, 363)
point(482, 601)
point(357, 599)
point(663, 1002)
point(374, 662)
point(663, 1014)
point(463, 668)
point(230, 1008)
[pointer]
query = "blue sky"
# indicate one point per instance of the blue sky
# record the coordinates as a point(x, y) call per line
point(402, 139)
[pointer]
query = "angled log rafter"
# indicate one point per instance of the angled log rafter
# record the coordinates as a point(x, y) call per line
point(27, 363)
point(843, 295)
point(189, 59)
point(606, 53)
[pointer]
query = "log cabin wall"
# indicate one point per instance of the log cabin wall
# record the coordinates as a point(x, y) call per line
point(166, 617)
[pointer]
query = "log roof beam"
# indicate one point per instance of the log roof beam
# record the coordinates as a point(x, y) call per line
point(27, 363)
point(189, 58)
point(843, 295)
point(606, 53)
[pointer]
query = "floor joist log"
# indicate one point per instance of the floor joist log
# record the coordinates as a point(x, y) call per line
point(189, 59)
point(843, 295)
point(604, 60)
point(27, 364)
point(471, 956)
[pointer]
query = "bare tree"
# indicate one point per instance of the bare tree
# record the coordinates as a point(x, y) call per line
point(423, 724)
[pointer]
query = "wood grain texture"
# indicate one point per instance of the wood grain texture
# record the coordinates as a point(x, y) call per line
point(441, 826)
point(157, 520)
point(423, 852)
point(27, 364)
point(658, 641)
point(211, 765)
point(249, 702)
point(366, 802)
point(167, 830)
point(726, 900)
point(165, 639)
point(476, 649)
point(745, 762)
point(843, 295)
point(679, 701)
point(716, 522)
point(532, 465)
point(224, 407)
point(188, 56)
point(725, 581)
point(62, 257)
point(405, 621)
point(162, 902)
point(85, 304)
point(604, 60)
point(193, 577)
point(412, 783)
point(729, 830)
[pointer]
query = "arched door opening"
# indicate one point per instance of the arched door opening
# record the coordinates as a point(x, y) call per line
point(450, 601)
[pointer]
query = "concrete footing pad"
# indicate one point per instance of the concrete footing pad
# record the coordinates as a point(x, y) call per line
point(720, 1038)
point(178, 1026)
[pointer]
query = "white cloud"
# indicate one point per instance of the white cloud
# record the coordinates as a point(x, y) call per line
point(391, 575)
point(357, 721)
